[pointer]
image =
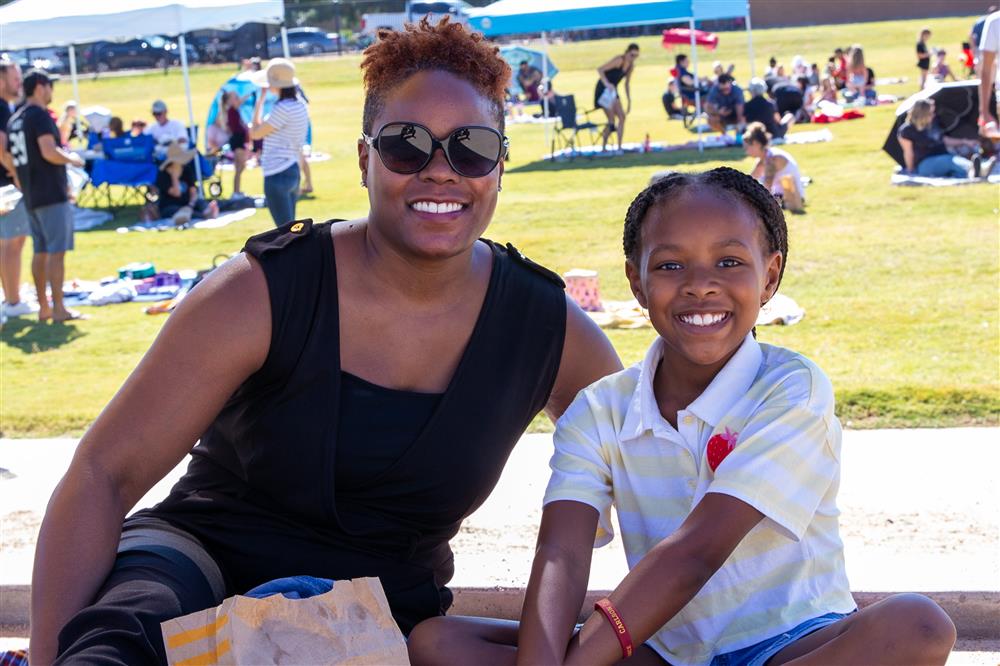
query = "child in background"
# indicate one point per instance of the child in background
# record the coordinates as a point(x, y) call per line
point(722, 457)
point(940, 72)
point(968, 60)
point(923, 55)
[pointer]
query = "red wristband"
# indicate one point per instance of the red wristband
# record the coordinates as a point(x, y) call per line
point(610, 612)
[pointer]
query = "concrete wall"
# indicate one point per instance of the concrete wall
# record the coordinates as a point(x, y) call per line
point(775, 13)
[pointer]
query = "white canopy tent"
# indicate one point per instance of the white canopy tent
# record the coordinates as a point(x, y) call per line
point(506, 17)
point(34, 23)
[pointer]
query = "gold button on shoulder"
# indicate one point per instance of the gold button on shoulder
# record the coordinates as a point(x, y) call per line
point(688, 420)
point(297, 227)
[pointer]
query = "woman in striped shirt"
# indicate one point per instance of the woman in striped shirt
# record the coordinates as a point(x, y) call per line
point(284, 133)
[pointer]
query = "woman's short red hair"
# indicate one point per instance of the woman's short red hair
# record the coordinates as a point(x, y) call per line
point(448, 47)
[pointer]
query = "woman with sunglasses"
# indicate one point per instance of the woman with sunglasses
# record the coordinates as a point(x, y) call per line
point(368, 382)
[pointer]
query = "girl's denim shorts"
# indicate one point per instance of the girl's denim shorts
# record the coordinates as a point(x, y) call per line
point(757, 655)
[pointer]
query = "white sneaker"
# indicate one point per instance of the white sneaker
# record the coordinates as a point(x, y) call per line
point(17, 309)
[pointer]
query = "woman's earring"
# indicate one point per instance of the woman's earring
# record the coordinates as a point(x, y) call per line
point(499, 188)
point(363, 183)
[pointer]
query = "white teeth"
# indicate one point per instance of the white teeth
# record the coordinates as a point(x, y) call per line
point(435, 207)
point(703, 319)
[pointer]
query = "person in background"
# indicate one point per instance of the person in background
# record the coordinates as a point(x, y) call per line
point(606, 92)
point(306, 188)
point(839, 68)
point(968, 60)
point(137, 127)
point(923, 55)
point(115, 128)
point(69, 123)
point(41, 170)
point(177, 185)
point(216, 134)
point(989, 64)
point(529, 78)
point(775, 169)
point(976, 35)
point(164, 130)
point(814, 75)
point(14, 226)
point(239, 136)
point(761, 110)
point(724, 104)
point(284, 133)
point(857, 76)
point(940, 71)
point(772, 67)
point(925, 149)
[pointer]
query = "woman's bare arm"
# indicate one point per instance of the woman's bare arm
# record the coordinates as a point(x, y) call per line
point(218, 336)
point(586, 357)
point(908, 159)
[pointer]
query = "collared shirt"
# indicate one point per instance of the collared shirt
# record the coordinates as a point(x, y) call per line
point(613, 447)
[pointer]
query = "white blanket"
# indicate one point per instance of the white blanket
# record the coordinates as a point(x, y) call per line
point(166, 223)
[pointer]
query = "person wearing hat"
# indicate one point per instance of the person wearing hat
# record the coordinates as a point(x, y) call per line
point(163, 130)
point(176, 184)
point(40, 161)
point(284, 133)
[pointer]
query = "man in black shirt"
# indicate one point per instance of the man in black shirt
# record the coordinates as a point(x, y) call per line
point(14, 222)
point(41, 168)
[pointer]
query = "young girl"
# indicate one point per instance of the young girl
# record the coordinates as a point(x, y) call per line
point(775, 169)
point(923, 55)
point(722, 457)
point(606, 92)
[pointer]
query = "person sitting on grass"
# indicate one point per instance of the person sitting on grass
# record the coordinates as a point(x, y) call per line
point(775, 169)
point(940, 71)
point(761, 110)
point(724, 105)
point(722, 457)
point(925, 148)
point(177, 186)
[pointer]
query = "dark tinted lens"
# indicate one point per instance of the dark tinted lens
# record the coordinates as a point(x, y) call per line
point(474, 151)
point(404, 148)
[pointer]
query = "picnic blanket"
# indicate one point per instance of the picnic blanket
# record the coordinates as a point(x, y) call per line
point(708, 141)
point(88, 218)
point(252, 163)
point(781, 310)
point(166, 223)
point(906, 179)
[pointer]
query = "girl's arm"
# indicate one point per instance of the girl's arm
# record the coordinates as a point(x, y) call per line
point(667, 578)
point(602, 70)
point(558, 584)
point(907, 146)
point(772, 165)
point(258, 128)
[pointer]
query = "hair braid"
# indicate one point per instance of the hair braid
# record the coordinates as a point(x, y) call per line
point(761, 202)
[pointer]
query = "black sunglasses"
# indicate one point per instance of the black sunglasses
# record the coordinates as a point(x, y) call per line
point(472, 151)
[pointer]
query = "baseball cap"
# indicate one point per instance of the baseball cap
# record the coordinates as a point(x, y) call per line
point(159, 106)
point(35, 77)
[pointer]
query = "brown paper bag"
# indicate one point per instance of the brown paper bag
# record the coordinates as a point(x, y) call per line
point(350, 624)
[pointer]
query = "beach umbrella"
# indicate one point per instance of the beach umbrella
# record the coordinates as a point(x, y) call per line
point(682, 37)
point(956, 111)
point(514, 55)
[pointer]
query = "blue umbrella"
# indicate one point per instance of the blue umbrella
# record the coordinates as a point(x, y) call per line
point(515, 54)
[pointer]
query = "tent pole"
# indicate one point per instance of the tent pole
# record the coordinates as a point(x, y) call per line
point(697, 85)
point(750, 41)
point(545, 95)
point(72, 73)
point(284, 41)
point(182, 43)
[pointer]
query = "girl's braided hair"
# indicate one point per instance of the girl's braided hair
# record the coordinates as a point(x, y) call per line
point(761, 202)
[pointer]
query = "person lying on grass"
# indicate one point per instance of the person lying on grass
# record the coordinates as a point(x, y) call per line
point(722, 457)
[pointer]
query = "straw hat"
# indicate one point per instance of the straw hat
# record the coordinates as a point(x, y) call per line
point(280, 73)
point(177, 155)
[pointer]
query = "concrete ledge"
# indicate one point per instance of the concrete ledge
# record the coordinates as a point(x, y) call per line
point(976, 614)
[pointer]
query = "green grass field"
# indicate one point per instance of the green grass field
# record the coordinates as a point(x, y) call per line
point(900, 285)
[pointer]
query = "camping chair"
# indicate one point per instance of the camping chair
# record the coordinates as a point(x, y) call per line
point(567, 125)
point(211, 180)
point(128, 163)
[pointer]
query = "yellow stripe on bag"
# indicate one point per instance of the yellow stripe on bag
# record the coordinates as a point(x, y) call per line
point(196, 634)
point(207, 658)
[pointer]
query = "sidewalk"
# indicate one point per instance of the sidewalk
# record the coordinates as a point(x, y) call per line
point(918, 514)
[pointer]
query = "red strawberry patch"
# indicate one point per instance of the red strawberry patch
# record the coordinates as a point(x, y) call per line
point(719, 446)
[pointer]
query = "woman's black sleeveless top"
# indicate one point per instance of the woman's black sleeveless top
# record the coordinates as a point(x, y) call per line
point(260, 491)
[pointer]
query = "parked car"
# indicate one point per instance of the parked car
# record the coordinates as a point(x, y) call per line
point(303, 41)
point(55, 60)
point(434, 11)
point(213, 45)
point(142, 52)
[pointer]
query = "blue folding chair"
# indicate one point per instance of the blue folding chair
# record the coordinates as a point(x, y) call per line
point(128, 163)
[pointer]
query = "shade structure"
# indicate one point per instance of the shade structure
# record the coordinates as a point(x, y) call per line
point(956, 111)
point(514, 55)
point(518, 16)
point(33, 23)
point(682, 37)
